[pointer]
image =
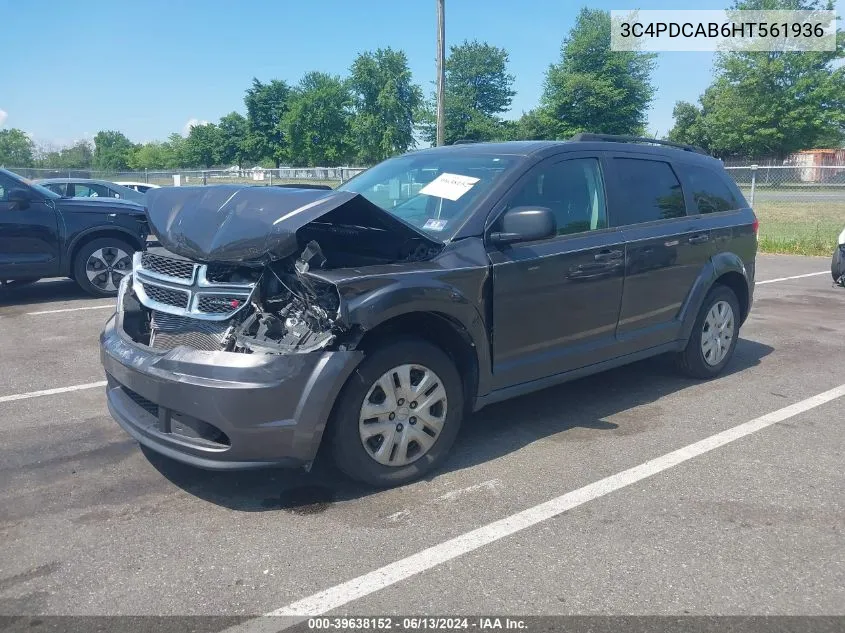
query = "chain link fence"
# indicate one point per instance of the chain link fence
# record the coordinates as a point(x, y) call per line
point(163, 178)
point(801, 208)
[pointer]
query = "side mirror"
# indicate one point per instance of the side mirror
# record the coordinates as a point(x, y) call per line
point(20, 198)
point(525, 224)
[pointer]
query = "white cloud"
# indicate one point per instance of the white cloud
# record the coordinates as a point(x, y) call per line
point(192, 123)
point(3, 116)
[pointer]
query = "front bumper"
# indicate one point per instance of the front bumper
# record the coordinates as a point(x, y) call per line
point(222, 410)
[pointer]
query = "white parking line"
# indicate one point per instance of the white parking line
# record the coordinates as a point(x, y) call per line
point(50, 392)
point(771, 281)
point(111, 305)
point(344, 593)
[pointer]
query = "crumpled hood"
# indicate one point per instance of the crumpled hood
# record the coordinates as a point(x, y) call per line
point(243, 223)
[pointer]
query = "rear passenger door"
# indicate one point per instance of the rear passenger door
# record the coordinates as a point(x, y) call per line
point(665, 249)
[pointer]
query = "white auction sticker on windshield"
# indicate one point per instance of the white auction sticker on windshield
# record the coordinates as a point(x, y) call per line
point(449, 186)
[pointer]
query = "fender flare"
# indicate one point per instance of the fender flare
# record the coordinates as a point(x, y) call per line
point(715, 267)
point(388, 302)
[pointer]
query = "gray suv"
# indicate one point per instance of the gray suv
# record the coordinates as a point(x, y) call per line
point(374, 317)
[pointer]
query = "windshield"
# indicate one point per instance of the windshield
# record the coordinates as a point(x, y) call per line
point(50, 195)
point(433, 192)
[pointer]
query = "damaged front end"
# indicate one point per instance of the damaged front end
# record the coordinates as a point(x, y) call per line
point(234, 272)
point(169, 301)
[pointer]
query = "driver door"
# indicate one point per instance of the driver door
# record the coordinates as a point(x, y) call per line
point(29, 240)
point(556, 301)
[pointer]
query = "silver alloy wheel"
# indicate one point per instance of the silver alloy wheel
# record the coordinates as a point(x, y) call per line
point(107, 266)
point(717, 333)
point(402, 415)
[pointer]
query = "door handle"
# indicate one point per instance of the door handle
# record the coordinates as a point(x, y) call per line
point(608, 255)
point(699, 239)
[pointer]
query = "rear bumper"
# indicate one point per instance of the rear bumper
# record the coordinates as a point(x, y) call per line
point(222, 410)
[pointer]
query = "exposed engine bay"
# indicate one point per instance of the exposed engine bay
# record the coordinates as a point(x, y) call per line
point(276, 308)
point(235, 270)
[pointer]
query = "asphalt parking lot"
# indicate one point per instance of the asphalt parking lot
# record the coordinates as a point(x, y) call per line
point(90, 524)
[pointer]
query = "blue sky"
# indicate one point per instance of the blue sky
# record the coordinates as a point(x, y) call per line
point(147, 68)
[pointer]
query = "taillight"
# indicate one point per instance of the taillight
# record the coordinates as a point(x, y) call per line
point(756, 226)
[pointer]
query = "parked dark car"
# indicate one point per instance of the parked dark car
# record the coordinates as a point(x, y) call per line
point(45, 235)
point(91, 188)
point(375, 317)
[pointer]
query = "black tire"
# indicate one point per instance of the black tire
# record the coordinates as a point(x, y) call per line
point(837, 264)
point(80, 273)
point(691, 361)
point(347, 448)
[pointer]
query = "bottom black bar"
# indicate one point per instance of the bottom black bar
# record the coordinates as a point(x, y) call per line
point(486, 623)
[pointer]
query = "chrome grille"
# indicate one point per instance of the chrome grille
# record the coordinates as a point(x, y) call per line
point(169, 331)
point(167, 266)
point(165, 284)
point(167, 296)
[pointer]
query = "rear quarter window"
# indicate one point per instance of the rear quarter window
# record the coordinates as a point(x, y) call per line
point(649, 190)
point(711, 191)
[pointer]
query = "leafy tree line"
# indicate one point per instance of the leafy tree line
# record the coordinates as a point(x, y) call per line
point(758, 104)
point(768, 103)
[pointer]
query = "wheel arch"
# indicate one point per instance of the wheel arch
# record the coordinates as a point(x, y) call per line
point(441, 330)
point(89, 236)
point(726, 269)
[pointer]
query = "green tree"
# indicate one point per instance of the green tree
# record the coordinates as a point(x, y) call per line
point(233, 130)
point(174, 152)
point(316, 124)
point(16, 148)
point(689, 125)
point(386, 105)
point(80, 155)
point(151, 155)
point(535, 125)
point(595, 89)
point(112, 151)
point(202, 146)
point(266, 104)
point(478, 90)
point(769, 103)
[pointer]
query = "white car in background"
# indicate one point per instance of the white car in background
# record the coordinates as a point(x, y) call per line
point(140, 187)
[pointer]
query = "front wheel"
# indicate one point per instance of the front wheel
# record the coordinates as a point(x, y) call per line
point(714, 335)
point(398, 414)
point(101, 264)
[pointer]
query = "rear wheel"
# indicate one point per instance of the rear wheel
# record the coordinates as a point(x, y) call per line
point(101, 264)
point(713, 340)
point(398, 415)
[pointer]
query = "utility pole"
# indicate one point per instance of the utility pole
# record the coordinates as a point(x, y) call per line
point(441, 71)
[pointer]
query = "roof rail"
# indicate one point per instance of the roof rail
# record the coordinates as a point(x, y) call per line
point(621, 138)
point(464, 141)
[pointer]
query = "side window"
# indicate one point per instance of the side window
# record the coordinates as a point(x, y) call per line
point(650, 191)
point(574, 191)
point(709, 190)
point(91, 191)
point(57, 187)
